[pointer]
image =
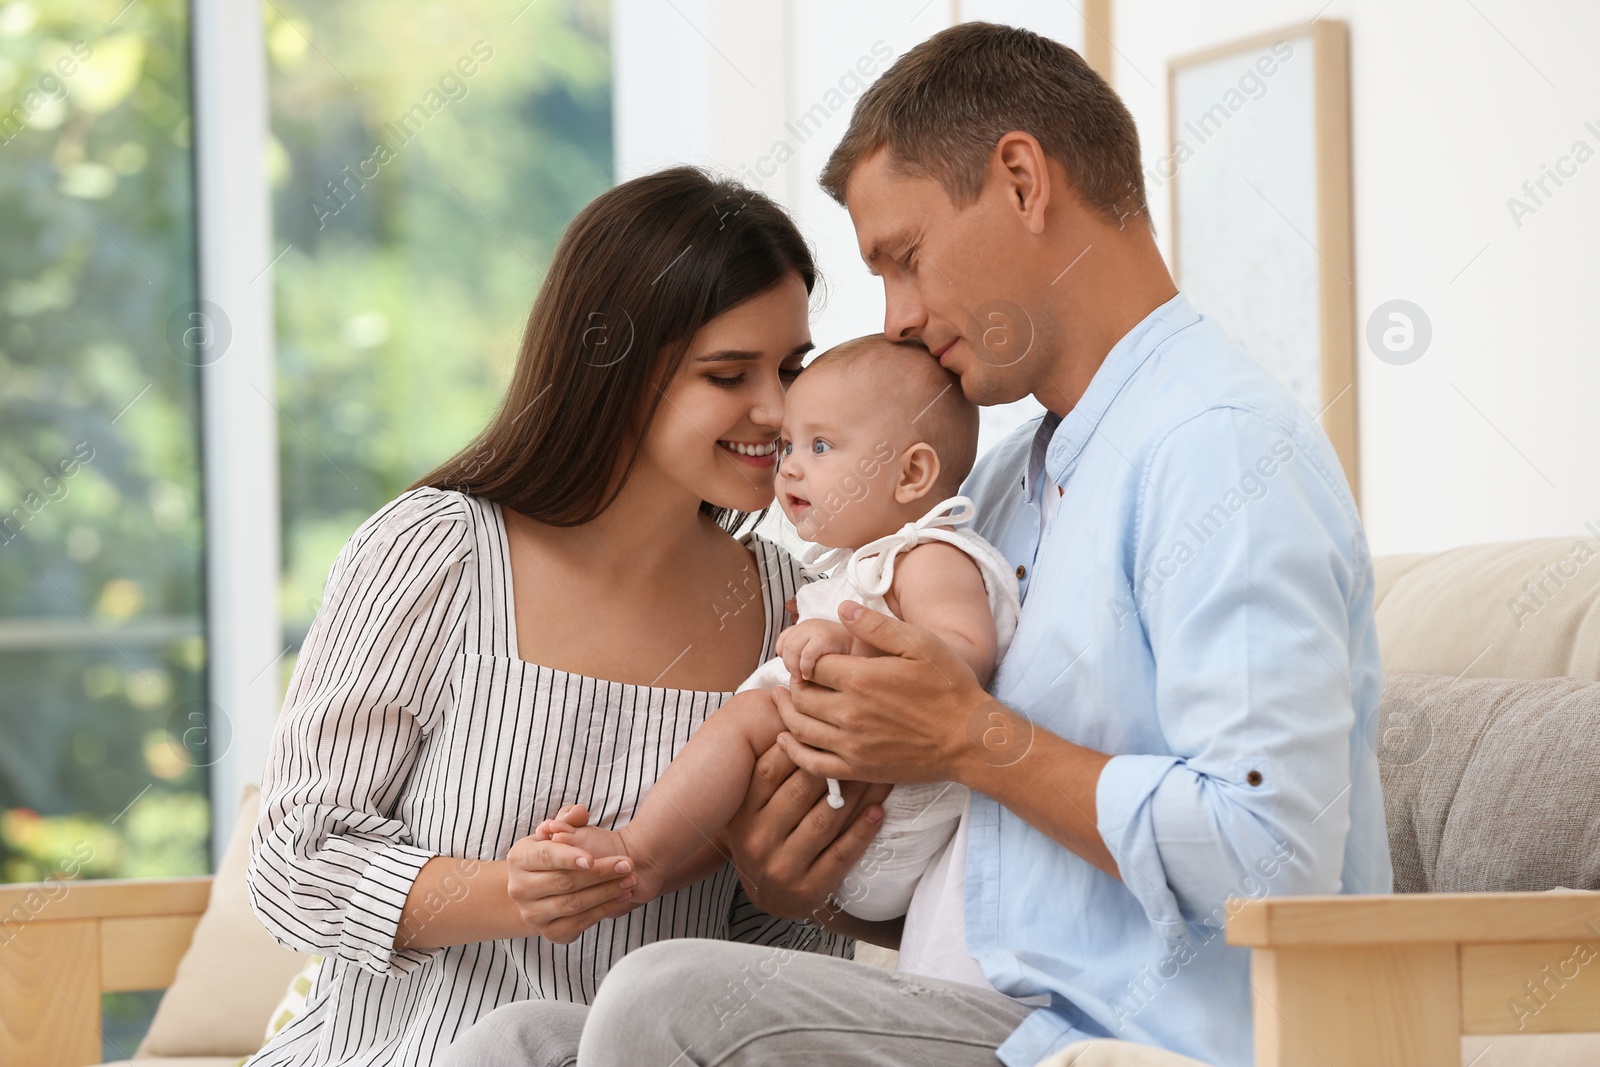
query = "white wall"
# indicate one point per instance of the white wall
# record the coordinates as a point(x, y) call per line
point(1492, 434)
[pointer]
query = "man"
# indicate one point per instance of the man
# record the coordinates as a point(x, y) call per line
point(1184, 716)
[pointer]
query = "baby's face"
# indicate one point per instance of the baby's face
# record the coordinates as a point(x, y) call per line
point(838, 458)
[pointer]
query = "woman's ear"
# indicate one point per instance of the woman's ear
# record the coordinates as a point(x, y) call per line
point(919, 470)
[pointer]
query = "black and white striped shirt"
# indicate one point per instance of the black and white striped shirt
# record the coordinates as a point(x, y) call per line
point(413, 729)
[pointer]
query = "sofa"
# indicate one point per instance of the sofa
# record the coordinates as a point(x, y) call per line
point(1489, 744)
point(1489, 750)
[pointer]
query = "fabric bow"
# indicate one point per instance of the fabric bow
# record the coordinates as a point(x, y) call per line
point(870, 568)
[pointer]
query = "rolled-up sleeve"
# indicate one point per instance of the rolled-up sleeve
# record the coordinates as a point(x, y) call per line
point(1243, 569)
point(330, 865)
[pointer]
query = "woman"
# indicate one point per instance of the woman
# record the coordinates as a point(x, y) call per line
point(544, 620)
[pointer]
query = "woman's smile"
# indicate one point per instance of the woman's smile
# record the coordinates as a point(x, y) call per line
point(755, 453)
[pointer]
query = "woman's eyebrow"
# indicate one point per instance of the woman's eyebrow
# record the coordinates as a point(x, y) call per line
point(734, 355)
point(730, 356)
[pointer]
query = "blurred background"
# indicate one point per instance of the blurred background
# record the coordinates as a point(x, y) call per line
point(261, 267)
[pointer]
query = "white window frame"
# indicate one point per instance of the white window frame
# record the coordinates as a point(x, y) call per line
point(239, 420)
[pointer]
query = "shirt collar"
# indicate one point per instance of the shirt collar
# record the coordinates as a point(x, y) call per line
point(1068, 435)
point(1042, 435)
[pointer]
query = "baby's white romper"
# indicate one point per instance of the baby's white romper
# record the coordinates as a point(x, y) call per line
point(918, 820)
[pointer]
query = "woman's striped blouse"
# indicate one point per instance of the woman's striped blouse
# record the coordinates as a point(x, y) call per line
point(412, 729)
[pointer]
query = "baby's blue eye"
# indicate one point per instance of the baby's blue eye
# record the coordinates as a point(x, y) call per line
point(819, 446)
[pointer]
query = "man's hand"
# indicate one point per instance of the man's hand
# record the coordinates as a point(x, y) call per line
point(907, 716)
point(791, 850)
point(802, 644)
point(918, 714)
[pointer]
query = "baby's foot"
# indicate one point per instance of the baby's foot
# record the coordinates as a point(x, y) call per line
point(567, 820)
point(600, 843)
point(594, 840)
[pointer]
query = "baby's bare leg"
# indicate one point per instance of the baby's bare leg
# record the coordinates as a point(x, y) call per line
point(702, 789)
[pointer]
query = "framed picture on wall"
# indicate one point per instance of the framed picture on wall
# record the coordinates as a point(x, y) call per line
point(1259, 161)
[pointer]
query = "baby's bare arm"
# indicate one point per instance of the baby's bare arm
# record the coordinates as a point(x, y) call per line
point(938, 587)
point(671, 839)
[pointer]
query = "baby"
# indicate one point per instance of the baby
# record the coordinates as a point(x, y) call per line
point(872, 433)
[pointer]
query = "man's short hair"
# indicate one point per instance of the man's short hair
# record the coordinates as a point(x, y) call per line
point(944, 105)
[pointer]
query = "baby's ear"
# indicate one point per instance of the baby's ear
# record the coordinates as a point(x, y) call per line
point(919, 473)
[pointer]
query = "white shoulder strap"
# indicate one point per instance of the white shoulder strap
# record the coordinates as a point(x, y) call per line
point(871, 567)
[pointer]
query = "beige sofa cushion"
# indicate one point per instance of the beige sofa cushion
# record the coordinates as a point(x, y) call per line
point(1533, 1050)
point(233, 973)
point(1107, 1053)
point(1491, 785)
point(1529, 609)
point(1529, 1050)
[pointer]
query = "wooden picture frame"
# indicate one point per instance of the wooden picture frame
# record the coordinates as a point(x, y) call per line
point(1258, 154)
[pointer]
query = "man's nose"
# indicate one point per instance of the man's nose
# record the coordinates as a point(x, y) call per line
point(903, 313)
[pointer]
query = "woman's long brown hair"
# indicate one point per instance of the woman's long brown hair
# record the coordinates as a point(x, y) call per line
point(637, 273)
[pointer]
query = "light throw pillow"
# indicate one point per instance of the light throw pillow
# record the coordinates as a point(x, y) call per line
point(293, 1004)
point(221, 999)
point(1491, 784)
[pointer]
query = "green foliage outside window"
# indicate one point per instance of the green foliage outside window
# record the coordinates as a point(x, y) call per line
point(423, 161)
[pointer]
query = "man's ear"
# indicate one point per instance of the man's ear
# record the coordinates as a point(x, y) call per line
point(1020, 162)
point(919, 470)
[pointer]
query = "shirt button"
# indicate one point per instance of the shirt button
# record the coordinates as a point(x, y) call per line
point(1022, 572)
point(1254, 777)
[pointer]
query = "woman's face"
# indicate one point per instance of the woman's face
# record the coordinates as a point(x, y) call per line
point(716, 431)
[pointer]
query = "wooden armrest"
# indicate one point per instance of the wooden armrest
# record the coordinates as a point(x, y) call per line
point(1372, 981)
point(112, 898)
point(64, 943)
point(1415, 918)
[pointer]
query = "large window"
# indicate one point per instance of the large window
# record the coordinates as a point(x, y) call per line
point(103, 726)
point(423, 161)
point(423, 168)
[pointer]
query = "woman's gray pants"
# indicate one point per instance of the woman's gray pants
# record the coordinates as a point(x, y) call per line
point(700, 1003)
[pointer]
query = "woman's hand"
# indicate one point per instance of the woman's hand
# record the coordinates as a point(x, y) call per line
point(560, 890)
point(791, 850)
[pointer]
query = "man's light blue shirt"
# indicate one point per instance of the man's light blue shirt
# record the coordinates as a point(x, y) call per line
point(1201, 610)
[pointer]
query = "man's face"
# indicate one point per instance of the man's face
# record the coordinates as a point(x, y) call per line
point(958, 279)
